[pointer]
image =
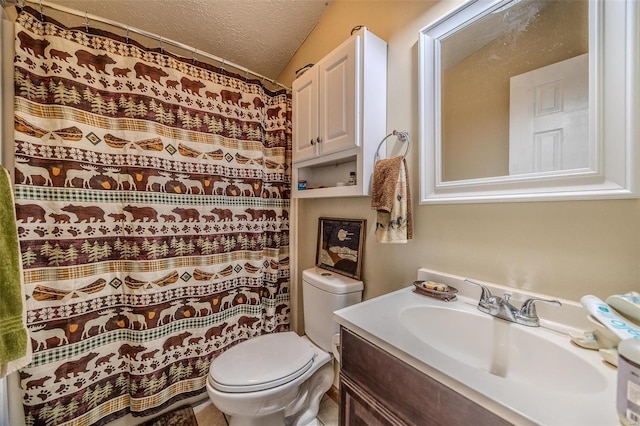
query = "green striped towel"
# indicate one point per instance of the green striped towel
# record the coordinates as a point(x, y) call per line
point(13, 333)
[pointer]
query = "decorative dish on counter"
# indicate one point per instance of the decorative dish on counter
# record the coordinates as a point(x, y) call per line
point(435, 290)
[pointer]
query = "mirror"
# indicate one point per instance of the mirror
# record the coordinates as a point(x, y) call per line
point(530, 100)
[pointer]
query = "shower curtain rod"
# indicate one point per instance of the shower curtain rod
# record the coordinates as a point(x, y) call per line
point(88, 17)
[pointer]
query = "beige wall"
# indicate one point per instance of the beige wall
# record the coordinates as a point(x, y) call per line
point(566, 249)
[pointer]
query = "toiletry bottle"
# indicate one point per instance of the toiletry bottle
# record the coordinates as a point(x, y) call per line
point(628, 396)
point(352, 178)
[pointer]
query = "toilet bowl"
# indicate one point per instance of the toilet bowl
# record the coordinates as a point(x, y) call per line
point(287, 372)
point(279, 379)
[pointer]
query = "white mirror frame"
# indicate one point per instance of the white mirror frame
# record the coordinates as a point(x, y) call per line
point(614, 115)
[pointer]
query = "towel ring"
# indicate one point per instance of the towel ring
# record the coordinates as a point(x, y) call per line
point(402, 135)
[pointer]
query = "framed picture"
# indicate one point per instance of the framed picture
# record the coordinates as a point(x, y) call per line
point(341, 245)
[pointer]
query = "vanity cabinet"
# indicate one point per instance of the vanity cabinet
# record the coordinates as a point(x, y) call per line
point(377, 388)
point(339, 117)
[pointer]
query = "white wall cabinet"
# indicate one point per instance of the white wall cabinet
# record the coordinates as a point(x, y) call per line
point(339, 118)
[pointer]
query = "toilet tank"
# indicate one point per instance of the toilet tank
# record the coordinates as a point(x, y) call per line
point(322, 293)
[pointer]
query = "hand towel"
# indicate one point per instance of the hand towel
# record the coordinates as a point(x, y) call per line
point(15, 347)
point(391, 197)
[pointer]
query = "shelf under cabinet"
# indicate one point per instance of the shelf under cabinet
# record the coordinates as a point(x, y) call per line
point(335, 191)
point(323, 177)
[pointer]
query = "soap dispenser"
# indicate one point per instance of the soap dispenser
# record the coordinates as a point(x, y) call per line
point(628, 395)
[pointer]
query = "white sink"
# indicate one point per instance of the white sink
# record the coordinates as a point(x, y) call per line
point(513, 352)
point(526, 375)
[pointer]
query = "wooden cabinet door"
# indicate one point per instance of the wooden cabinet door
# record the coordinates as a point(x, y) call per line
point(387, 385)
point(339, 97)
point(305, 116)
point(358, 408)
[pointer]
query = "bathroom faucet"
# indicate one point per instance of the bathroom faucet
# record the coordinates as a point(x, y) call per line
point(500, 307)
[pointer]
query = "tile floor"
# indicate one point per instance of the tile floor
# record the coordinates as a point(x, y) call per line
point(208, 415)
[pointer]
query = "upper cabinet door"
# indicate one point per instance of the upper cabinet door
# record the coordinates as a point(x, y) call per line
point(305, 116)
point(339, 82)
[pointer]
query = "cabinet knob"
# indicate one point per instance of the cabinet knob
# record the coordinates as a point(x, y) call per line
point(311, 142)
point(318, 140)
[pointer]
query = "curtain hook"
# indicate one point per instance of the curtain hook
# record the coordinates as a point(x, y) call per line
point(161, 46)
point(127, 36)
point(222, 65)
point(193, 56)
point(86, 22)
point(41, 13)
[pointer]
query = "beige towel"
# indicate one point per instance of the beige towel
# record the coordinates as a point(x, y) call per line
point(15, 346)
point(391, 197)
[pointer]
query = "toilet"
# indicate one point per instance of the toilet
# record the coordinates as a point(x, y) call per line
point(279, 379)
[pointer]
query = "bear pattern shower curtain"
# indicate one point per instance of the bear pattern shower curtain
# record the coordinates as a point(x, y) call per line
point(152, 197)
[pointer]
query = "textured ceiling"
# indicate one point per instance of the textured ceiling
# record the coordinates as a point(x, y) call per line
point(261, 35)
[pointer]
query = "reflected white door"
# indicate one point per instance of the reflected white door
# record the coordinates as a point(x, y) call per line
point(549, 118)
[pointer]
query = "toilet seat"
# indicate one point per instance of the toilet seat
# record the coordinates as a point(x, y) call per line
point(261, 363)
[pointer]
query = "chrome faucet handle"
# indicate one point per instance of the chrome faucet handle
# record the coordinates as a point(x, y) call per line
point(485, 292)
point(528, 310)
point(487, 303)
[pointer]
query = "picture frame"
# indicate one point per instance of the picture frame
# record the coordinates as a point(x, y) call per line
point(341, 245)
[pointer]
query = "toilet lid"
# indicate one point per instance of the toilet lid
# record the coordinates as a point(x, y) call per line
point(261, 363)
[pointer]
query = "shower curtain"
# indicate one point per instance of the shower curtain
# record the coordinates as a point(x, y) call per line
point(152, 196)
